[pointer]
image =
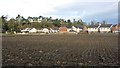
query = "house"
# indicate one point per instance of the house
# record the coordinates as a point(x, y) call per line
point(45, 30)
point(93, 28)
point(105, 28)
point(72, 31)
point(30, 30)
point(76, 29)
point(116, 28)
point(33, 30)
point(69, 28)
point(63, 29)
point(34, 19)
point(25, 30)
point(84, 29)
point(79, 28)
point(54, 30)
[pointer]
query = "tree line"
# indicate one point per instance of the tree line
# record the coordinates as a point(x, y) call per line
point(19, 23)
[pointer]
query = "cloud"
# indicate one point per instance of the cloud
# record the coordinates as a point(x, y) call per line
point(29, 7)
point(87, 10)
point(67, 9)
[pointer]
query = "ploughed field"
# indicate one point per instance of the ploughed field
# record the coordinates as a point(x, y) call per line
point(60, 50)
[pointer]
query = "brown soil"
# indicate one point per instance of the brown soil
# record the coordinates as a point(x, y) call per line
point(60, 50)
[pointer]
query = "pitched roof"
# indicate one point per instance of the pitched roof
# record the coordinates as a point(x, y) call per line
point(93, 26)
point(105, 25)
point(114, 25)
point(68, 26)
point(63, 28)
point(55, 28)
point(81, 27)
point(71, 31)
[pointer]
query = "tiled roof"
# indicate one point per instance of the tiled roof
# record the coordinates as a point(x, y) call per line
point(81, 27)
point(105, 25)
point(114, 25)
point(68, 26)
point(71, 31)
point(93, 26)
point(55, 28)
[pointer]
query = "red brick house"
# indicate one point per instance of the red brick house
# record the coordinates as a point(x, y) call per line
point(116, 27)
point(63, 29)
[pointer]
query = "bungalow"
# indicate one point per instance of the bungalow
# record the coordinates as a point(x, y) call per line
point(54, 30)
point(93, 28)
point(45, 30)
point(69, 28)
point(63, 29)
point(25, 30)
point(105, 28)
point(33, 30)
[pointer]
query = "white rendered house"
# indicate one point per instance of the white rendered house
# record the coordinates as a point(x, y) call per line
point(94, 28)
point(105, 28)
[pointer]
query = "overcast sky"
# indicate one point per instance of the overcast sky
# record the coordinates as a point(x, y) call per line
point(86, 10)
